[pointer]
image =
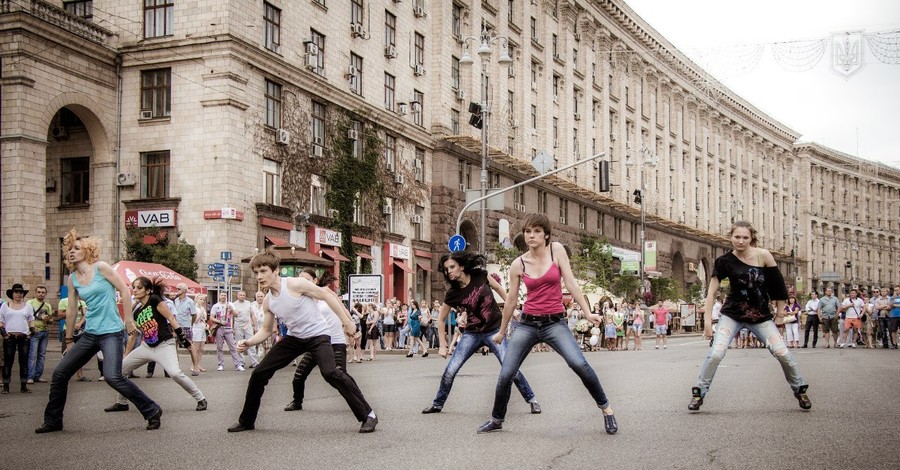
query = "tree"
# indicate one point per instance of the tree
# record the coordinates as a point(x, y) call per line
point(593, 263)
point(178, 256)
point(663, 288)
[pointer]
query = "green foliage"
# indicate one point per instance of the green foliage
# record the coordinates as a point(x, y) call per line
point(178, 256)
point(663, 288)
point(625, 286)
point(593, 263)
point(695, 293)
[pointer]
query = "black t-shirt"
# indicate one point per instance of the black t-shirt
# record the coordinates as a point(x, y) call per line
point(153, 326)
point(476, 301)
point(752, 288)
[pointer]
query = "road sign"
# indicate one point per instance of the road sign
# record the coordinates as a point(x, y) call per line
point(456, 243)
point(214, 272)
point(830, 276)
point(216, 265)
point(234, 266)
point(225, 256)
point(218, 278)
point(543, 162)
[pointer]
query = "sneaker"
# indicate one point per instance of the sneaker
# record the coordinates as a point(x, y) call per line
point(657, 347)
point(101, 379)
point(239, 368)
point(84, 379)
point(489, 426)
point(894, 347)
point(609, 422)
point(294, 406)
point(696, 399)
point(220, 368)
point(201, 405)
point(841, 345)
point(41, 381)
point(853, 346)
point(45, 428)
point(665, 347)
point(116, 407)
point(431, 409)
point(29, 382)
point(802, 398)
point(425, 355)
point(369, 424)
point(535, 408)
point(154, 421)
point(241, 428)
point(194, 373)
point(253, 366)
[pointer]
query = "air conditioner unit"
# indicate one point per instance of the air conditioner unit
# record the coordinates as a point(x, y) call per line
point(351, 71)
point(460, 95)
point(126, 179)
point(419, 71)
point(581, 225)
point(680, 219)
point(316, 151)
point(390, 51)
point(389, 166)
point(398, 178)
point(697, 207)
point(333, 213)
point(577, 116)
point(419, 11)
point(416, 107)
point(145, 114)
point(357, 29)
point(402, 109)
point(555, 143)
point(417, 219)
point(462, 187)
point(312, 62)
point(513, 123)
point(577, 37)
point(612, 136)
point(352, 134)
point(519, 207)
point(282, 137)
point(387, 210)
point(312, 48)
point(599, 231)
point(418, 175)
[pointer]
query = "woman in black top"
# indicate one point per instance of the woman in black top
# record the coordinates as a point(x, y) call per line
point(755, 281)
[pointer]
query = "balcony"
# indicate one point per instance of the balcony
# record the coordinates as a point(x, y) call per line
point(58, 17)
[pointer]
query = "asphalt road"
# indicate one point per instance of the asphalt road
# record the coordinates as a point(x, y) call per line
point(750, 418)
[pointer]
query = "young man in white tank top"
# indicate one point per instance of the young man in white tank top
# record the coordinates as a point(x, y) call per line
point(293, 301)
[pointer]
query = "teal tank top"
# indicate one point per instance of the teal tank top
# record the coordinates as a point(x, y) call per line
point(100, 296)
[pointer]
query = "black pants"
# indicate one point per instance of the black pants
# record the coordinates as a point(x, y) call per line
point(363, 337)
point(812, 323)
point(286, 351)
point(11, 345)
point(308, 363)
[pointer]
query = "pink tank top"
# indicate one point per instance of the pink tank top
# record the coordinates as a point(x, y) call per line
point(544, 296)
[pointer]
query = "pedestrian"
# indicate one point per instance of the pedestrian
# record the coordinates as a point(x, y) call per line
point(389, 326)
point(244, 324)
point(627, 313)
point(852, 307)
point(870, 319)
point(198, 334)
point(160, 331)
point(792, 322)
point(661, 317)
point(16, 328)
point(542, 268)
point(356, 340)
point(222, 316)
point(637, 322)
point(185, 313)
point(828, 308)
point(95, 282)
point(471, 290)
point(415, 330)
point(257, 314)
point(812, 319)
point(372, 331)
point(43, 319)
point(894, 326)
point(294, 301)
point(609, 332)
point(883, 313)
point(755, 281)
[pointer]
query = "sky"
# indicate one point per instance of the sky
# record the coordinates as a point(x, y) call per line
point(736, 41)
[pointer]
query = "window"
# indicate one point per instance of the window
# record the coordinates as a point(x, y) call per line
point(510, 11)
point(419, 49)
point(156, 88)
point(555, 88)
point(417, 107)
point(454, 121)
point(510, 102)
point(317, 195)
point(563, 211)
point(554, 46)
point(388, 218)
point(390, 29)
point(575, 58)
point(356, 11)
point(534, 35)
point(420, 226)
point(272, 39)
point(457, 20)
point(273, 104)
point(419, 165)
point(319, 40)
point(355, 73)
point(357, 143)
point(75, 180)
point(519, 197)
point(272, 182)
point(155, 175)
point(390, 149)
point(555, 131)
point(533, 117)
point(158, 18)
point(80, 8)
point(389, 83)
point(318, 123)
point(359, 209)
point(542, 201)
point(454, 72)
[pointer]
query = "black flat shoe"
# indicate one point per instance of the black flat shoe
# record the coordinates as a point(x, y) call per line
point(609, 422)
point(116, 407)
point(696, 399)
point(409, 355)
point(241, 428)
point(369, 424)
point(45, 428)
point(154, 422)
point(425, 355)
point(201, 405)
point(801, 397)
point(431, 409)
point(489, 426)
point(293, 406)
point(535, 408)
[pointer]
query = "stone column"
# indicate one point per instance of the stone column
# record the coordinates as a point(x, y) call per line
point(22, 209)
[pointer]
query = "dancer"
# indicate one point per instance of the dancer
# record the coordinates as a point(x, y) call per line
point(157, 325)
point(541, 269)
point(96, 283)
point(470, 292)
point(292, 300)
point(755, 281)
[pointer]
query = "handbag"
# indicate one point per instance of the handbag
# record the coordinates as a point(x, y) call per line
point(790, 318)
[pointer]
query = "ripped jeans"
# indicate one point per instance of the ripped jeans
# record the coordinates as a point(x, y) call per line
point(766, 332)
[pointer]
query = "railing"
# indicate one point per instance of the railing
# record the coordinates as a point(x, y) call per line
point(57, 16)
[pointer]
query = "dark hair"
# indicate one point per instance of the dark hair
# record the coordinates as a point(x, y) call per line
point(470, 262)
point(416, 304)
point(311, 271)
point(155, 288)
point(744, 224)
point(266, 258)
point(326, 279)
point(538, 221)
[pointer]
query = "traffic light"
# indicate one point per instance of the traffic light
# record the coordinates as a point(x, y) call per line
point(604, 176)
point(637, 196)
point(475, 120)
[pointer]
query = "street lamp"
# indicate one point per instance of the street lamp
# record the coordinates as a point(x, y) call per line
point(645, 158)
point(484, 53)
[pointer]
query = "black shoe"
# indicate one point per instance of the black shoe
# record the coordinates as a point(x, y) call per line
point(5, 389)
point(167, 375)
point(609, 422)
point(154, 421)
point(535, 408)
point(24, 389)
point(201, 405)
point(489, 426)
point(369, 424)
point(804, 346)
point(45, 428)
point(801, 397)
point(409, 355)
point(431, 409)
point(294, 406)
point(116, 407)
point(132, 375)
point(149, 375)
point(241, 428)
point(425, 355)
point(696, 399)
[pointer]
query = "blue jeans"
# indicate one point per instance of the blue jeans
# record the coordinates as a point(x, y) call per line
point(558, 336)
point(77, 356)
point(766, 332)
point(467, 346)
point(37, 353)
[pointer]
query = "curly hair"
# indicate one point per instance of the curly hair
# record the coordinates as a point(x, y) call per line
point(469, 261)
point(90, 246)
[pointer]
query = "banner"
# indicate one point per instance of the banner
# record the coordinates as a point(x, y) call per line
point(650, 255)
point(365, 288)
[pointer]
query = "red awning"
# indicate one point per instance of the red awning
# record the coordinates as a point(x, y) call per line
point(363, 254)
point(130, 270)
point(278, 241)
point(400, 264)
point(333, 254)
point(424, 265)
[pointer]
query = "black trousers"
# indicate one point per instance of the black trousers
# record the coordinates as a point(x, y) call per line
point(308, 363)
point(812, 322)
point(15, 343)
point(286, 351)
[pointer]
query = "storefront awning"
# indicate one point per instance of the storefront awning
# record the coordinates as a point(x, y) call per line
point(296, 257)
point(400, 264)
point(363, 254)
point(424, 265)
point(277, 241)
point(333, 254)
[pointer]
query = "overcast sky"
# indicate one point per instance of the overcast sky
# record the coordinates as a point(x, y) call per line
point(858, 116)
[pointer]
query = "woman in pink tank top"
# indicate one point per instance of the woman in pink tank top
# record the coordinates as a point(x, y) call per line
point(543, 269)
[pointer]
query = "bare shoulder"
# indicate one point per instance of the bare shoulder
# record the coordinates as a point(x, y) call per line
point(767, 257)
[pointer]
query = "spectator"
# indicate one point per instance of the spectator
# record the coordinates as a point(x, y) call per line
point(812, 319)
point(792, 327)
point(43, 318)
point(16, 327)
point(852, 307)
point(828, 311)
point(222, 316)
point(661, 318)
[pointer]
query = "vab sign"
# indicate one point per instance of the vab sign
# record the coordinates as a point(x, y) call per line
point(328, 237)
point(150, 218)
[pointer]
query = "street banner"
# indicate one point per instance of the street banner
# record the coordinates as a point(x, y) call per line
point(650, 255)
point(365, 288)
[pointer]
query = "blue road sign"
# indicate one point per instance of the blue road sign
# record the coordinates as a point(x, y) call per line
point(216, 265)
point(219, 278)
point(225, 255)
point(212, 271)
point(456, 243)
point(234, 266)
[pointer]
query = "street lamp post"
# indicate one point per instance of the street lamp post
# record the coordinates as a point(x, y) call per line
point(484, 53)
point(645, 157)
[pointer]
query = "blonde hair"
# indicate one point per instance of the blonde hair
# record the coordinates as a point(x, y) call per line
point(744, 224)
point(90, 246)
point(200, 300)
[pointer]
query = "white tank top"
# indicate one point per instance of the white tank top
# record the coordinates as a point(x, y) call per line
point(335, 329)
point(300, 315)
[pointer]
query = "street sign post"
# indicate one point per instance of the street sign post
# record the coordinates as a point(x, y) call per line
point(225, 255)
point(456, 243)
